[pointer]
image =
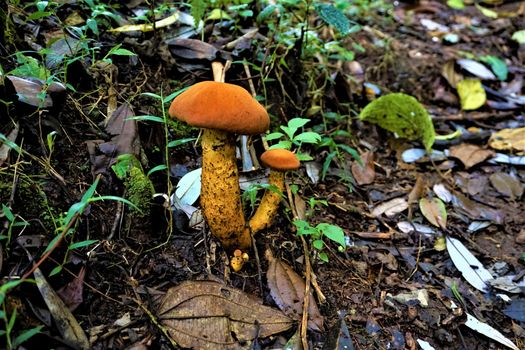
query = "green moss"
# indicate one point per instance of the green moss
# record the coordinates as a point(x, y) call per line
point(139, 189)
point(402, 114)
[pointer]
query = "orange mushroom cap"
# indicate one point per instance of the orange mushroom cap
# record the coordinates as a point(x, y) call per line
point(280, 159)
point(220, 106)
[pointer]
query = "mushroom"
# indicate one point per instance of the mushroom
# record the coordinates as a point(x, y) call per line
point(221, 110)
point(279, 161)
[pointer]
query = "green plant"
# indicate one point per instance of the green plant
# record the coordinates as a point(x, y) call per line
point(290, 136)
point(13, 222)
point(318, 233)
point(336, 151)
point(9, 319)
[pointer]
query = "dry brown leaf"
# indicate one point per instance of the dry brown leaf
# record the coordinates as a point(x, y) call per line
point(192, 49)
point(210, 315)
point(287, 290)
point(476, 210)
point(415, 193)
point(28, 91)
point(434, 211)
point(507, 185)
point(470, 155)
point(365, 174)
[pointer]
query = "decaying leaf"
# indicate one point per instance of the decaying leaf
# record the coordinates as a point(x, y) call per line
point(391, 208)
point(65, 321)
point(125, 139)
point(477, 69)
point(210, 315)
point(71, 293)
point(470, 155)
point(192, 49)
point(469, 266)
point(30, 92)
point(509, 140)
point(507, 185)
point(338, 337)
point(476, 210)
point(483, 328)
point(5, 148)
point(365, 174)
point(189, 187)
point(434, 211)
point(287, 290)
point(471, 94)
point(449, 72)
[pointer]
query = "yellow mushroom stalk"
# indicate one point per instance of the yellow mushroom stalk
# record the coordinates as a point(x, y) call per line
point(279, 161)
point(222, 110)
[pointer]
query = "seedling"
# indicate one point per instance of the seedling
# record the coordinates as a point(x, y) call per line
point(318, 233)
point(290, 137)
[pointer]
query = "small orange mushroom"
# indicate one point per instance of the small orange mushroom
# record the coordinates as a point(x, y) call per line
point(279, 161)
point(222, 110)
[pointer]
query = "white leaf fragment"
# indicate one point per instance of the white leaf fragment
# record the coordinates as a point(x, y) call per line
point(189, 187)
point(408, 227)
point(477, 69)
point(470, 267)
point(483, 328)
point(424, 345)
point(391, 208)
point(443, 193)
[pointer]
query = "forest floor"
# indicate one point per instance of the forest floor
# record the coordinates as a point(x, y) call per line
point(432, 252)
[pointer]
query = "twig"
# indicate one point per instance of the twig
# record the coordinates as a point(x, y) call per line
point(117, 221)
point(156, 323)
point(306, 299)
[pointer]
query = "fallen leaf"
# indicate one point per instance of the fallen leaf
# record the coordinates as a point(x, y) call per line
point(450, 74)
point(287, 290)
point(364, 174)
point(434, 211)
point(391, 208)
point(519, 36)
point(507, 185)
point(66, 323)
point(338, 337)
point(30, 92)
point(483, 328)
point(192, 49)
point(71, 293)
point(470, 155)
point(425, 345)
point(189, 187)
point(442, 192)
point(476, 68)
point(516, 310)
point(470, 267)
point(509, 140)
point(415, 194)
point(210, 315)
point(471, 94)
point(477, 210)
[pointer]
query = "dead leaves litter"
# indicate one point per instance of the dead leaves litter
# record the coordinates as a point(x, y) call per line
point(210, 315)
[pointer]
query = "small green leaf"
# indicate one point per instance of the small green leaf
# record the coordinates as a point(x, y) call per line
point(497, 65)
point(198, 7)
point(274, 136)
point(456, 4)
point(282, 144)
point(265, 13)
point(157, 168)
point(92, 24)
point(323, 257)
point(82, 244)
point(123, 52)
point(56, 270)
point(333, 232)
point(487, 12)
point(151, 118)
point(179, 142)
point(25, 335)
point(326, 164)
point(318, 244)
point(434, 211)
point(308, 137)
point(297, 123)
point(8, 213)
point(402, 114)
point(334, 17)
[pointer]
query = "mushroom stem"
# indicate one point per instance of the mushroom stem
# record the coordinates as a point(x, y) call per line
point(267, 209)
point(220, 192)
